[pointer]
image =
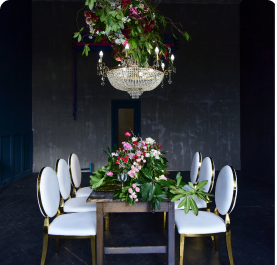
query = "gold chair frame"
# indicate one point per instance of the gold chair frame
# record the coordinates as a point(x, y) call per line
point(214, 236)
point(46, 236)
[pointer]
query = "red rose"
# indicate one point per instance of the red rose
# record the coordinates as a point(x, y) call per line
point(135, 142)
point(118, 158)
point(125, 159)
point(116, 162)
point(136, 157)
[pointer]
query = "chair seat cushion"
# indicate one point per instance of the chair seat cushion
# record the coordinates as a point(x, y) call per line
point(84, 192)
point(200, 203)
point(77, 205)
point(74, 224)
point(203, 223)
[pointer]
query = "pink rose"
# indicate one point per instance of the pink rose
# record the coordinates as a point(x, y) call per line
point(127, 134)
point(130, 190)
point(134, 195)
point(134, 185)
point(144, 161)
point(131, 196)
point(137, 189)
point(110, 173)
point(136, 200)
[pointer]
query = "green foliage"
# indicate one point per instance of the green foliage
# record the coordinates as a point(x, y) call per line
point(90, 3)
point(86, 50)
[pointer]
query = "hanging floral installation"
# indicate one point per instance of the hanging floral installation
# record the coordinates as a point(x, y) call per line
point(135, 24)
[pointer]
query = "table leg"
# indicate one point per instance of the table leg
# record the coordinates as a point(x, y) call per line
point(171, 234)
point(100, 233)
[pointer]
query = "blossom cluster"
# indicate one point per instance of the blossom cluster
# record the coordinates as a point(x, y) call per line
point(132, 191)
point(133, 154)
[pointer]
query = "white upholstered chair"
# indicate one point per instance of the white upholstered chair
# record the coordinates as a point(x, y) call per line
point(71, 205)
point(211, 224)
point(206, 173)
point(76, 177)
point(74, 225)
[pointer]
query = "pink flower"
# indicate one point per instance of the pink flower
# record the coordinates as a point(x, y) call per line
point(144, 160)
point(130, 190)
point(110, 173)
point(134, 195)
point(131, 196)
point(163, 177)
point(145, 147)
point(139, 167)
point(132, 173)
point(147, 154)
point(137, 189)
point(134, 185)
point(127, 134)
point(125, 43)
point(136, 200)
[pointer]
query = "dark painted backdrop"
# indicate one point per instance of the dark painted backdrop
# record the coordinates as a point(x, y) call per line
point(16, 142)
point(257, 89)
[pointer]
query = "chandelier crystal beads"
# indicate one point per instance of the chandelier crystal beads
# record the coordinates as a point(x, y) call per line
point(129, 76)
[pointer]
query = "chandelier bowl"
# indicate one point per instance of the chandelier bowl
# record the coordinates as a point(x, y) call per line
point(135, 79)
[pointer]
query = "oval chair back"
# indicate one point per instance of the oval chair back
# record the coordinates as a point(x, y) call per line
point(226, 190)
point(207, 173)
point(62, 172)
point(195, 167)
point(75, 172)
point(48, 193)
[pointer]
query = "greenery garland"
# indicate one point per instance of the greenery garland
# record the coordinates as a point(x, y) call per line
point(145, 165)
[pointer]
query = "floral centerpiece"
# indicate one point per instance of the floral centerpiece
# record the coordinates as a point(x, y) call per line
point(133, 26)
point(145, 166)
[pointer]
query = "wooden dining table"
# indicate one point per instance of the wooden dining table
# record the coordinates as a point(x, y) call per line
point(106, 204)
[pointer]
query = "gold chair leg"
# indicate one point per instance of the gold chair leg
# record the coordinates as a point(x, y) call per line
point(229, 247)
point(44, 248)
point(182, 243)
point(106, 221)
point(216, 242)
point(74, 192)
point(212, 237)
point(164, 219)
point(93, 252)
point(57, 245)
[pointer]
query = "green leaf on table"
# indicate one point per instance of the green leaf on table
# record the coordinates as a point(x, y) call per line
point(86, 50)
point(152, 192)
point(157, 203)
point(94, 178)
point(187, 205)
point(145, 189)
point(98, 184)
point(146, 173)
point(161, 197)
point(202, 184)
point(159, 190)
point(193, 206)
point(191, 185)
point(76, 34)
point(179, 180)
point(183, 202)
point(164, 182)
point(178, 175)
point(174, 36)
point(177, 197)
point(100, 12)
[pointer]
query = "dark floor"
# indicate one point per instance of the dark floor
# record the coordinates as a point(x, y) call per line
point(252, 223)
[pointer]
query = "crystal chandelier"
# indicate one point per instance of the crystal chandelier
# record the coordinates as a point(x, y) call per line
point(129, 76)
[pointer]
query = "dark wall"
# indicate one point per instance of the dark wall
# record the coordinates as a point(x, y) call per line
point(199, 112)
point(257, 88)
point(16, 142)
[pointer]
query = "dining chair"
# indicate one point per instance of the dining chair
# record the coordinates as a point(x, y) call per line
point(208, 223)
point(76, 177)
point(194, 175)
point(68, 204)
point(206, 173)
point(73, 226)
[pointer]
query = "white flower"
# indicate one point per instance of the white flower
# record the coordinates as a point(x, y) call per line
point(114, 154)
point(134, 139)
point(118, 7)
point(147, 154)
point(149, 140)
point(97, 32)
point(90, 37)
